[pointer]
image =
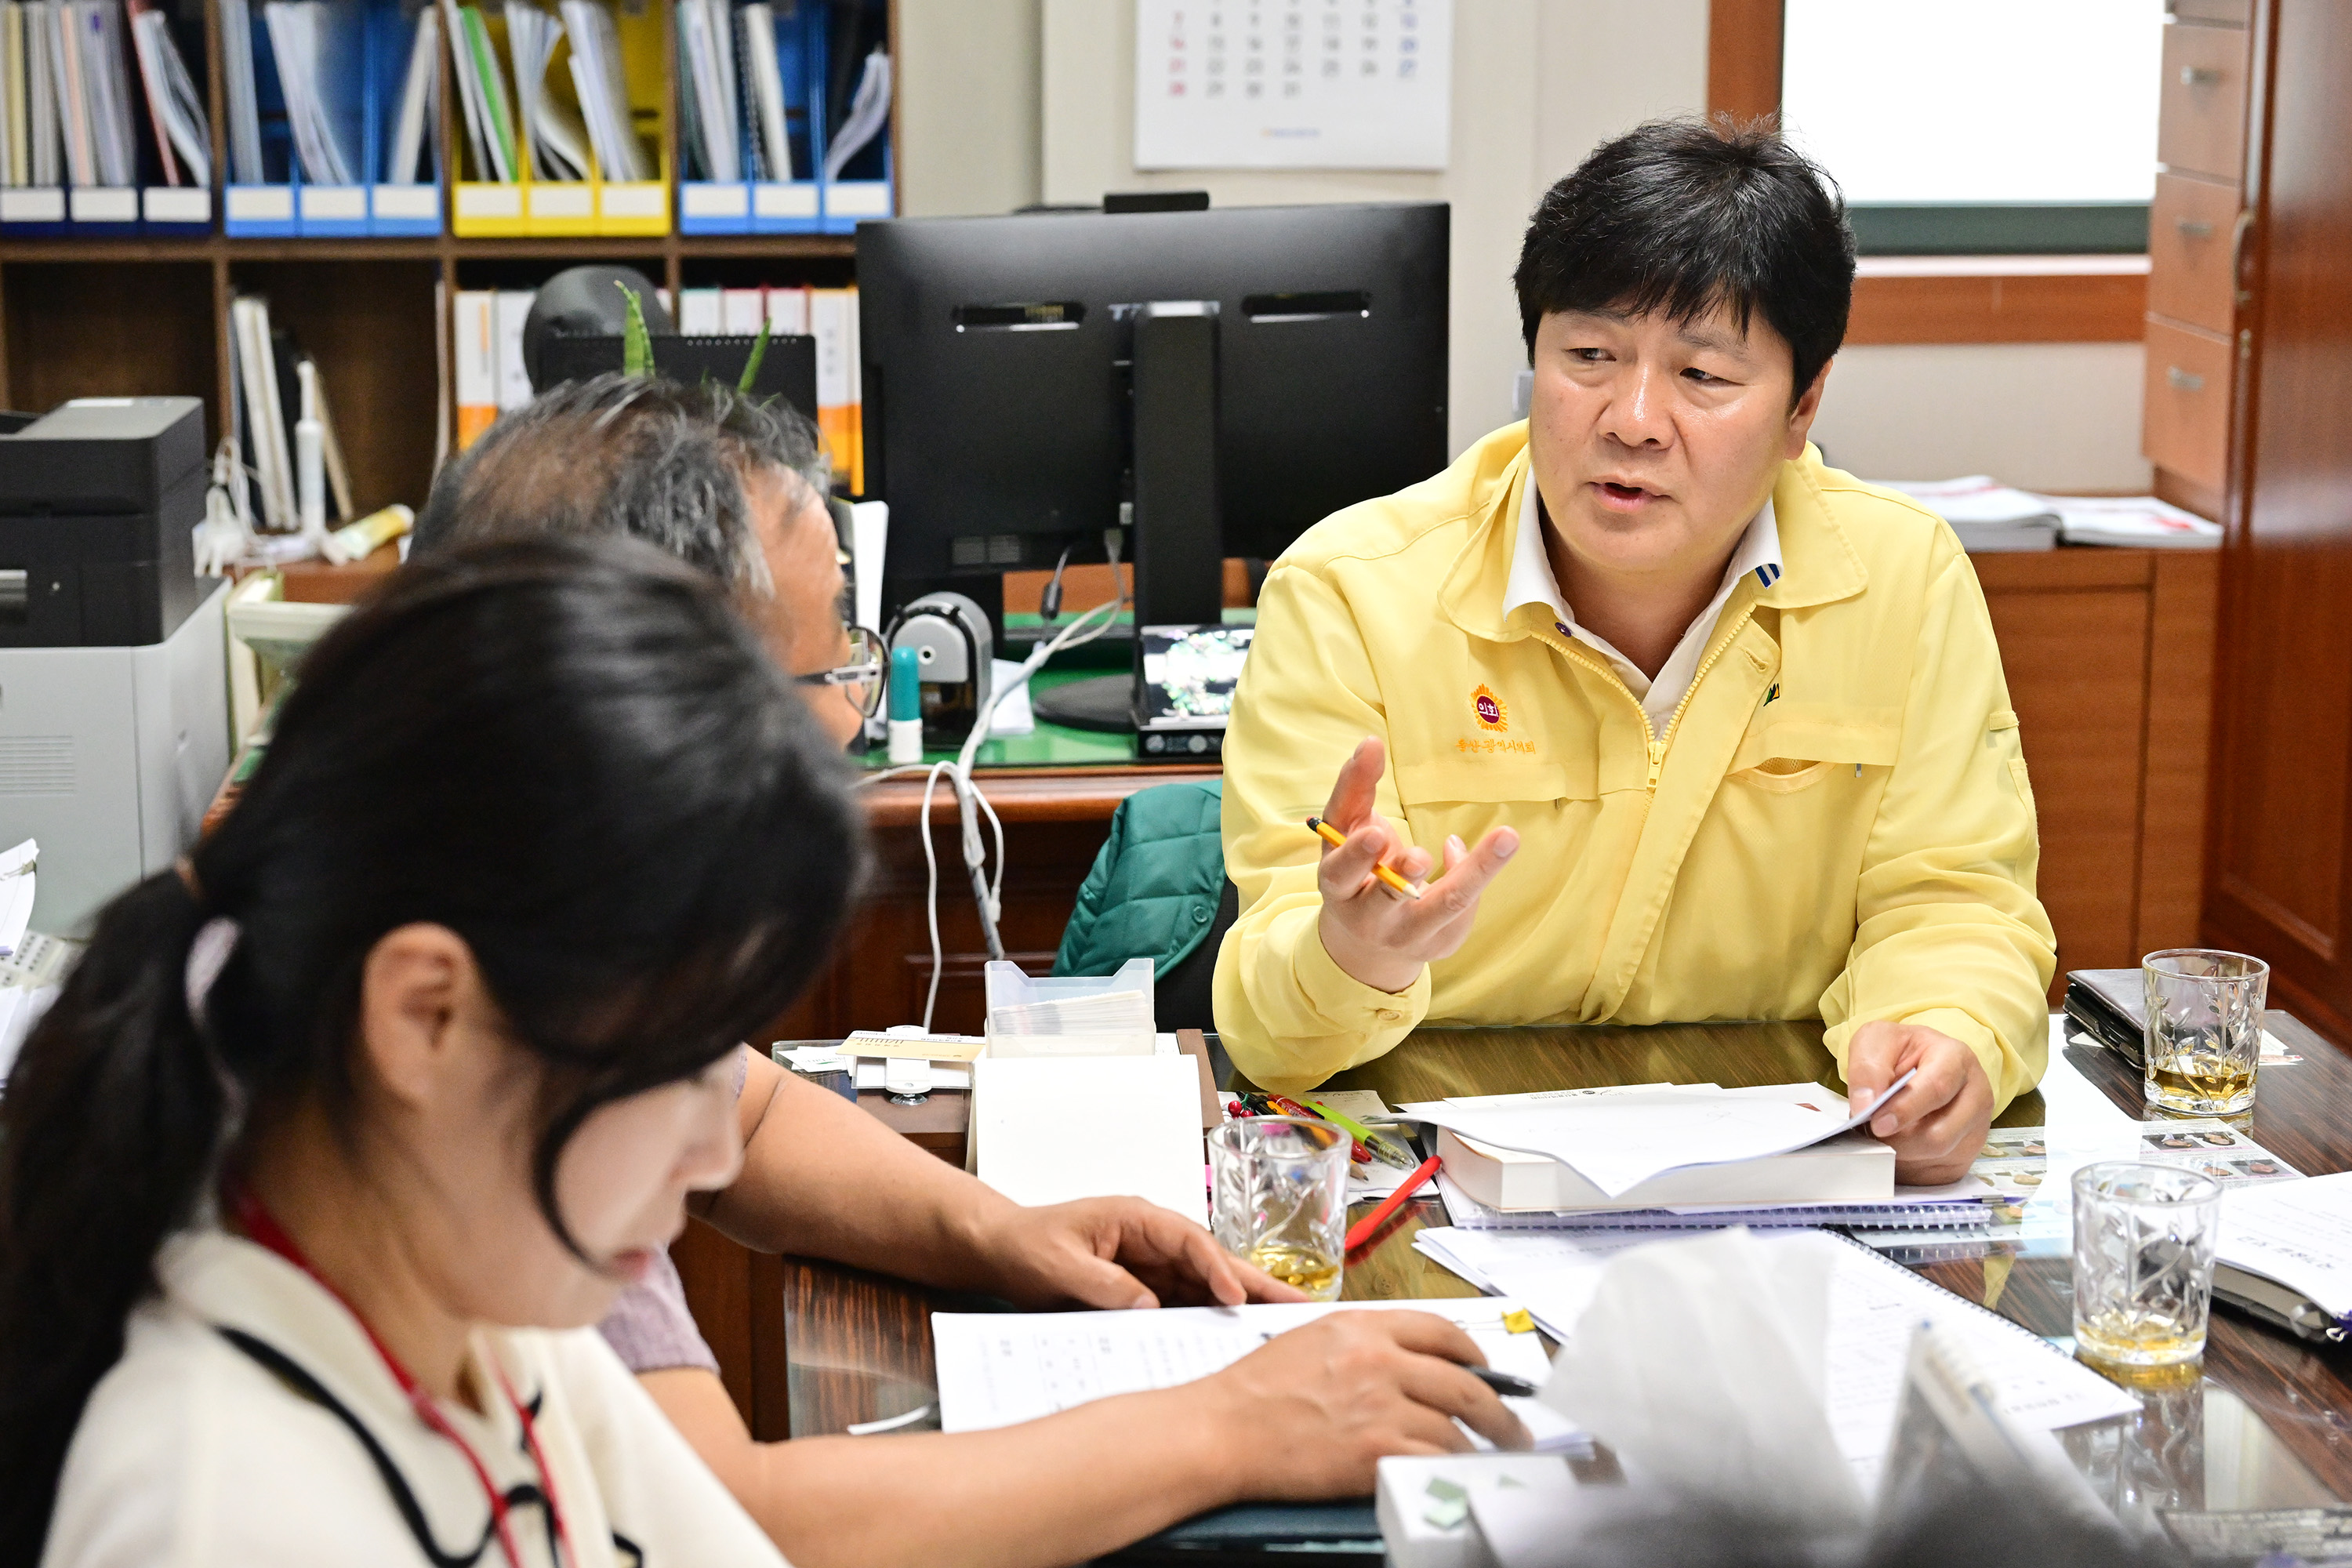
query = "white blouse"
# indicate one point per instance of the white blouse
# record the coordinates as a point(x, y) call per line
point(230, 1433)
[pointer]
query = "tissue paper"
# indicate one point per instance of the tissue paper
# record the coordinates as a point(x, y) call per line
point(1700, 1364)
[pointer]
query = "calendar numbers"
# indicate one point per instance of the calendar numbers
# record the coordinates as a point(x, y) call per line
point(1300, 84)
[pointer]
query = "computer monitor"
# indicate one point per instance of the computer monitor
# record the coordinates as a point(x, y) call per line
point(1214, 381)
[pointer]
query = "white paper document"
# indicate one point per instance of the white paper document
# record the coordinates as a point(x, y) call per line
point(1619, 1140)
point(2297, 1233)
point(999, 1368)
point(1874, 1306)
point(1050, 1130)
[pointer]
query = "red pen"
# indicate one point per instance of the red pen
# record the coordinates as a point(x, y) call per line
point(1356, 1149)
point(1362, 1229)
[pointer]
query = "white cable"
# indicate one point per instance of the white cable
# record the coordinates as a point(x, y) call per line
point(932, 889)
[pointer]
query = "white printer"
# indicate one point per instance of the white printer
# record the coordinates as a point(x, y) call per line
point(114, 659)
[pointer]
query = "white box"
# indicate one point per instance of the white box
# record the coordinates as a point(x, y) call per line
point(1405, 1503)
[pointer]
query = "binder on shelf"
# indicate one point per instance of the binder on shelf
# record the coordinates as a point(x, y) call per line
point(488, 198)
point(785, 42)
point(318, 50)
point(404, 80)
point(74, 135)
point(617, 65)
point(855, 173)
point(555, 165)
point(258, 197)
point(174, 130)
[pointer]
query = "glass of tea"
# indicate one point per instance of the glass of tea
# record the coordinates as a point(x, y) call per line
point(2143, 1242)
point(2204, 1029)
point(1279, 1198)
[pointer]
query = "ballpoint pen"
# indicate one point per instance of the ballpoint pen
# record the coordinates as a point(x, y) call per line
point(1334, 838)
point(1383, 1148)
point(1286, 1106)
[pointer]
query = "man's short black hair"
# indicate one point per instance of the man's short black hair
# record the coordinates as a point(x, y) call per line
point(1685, 215)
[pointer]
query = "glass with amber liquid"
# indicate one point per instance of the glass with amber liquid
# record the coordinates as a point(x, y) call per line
point(2144, 1243)
point(1279, 1198)
point(2204, 1036)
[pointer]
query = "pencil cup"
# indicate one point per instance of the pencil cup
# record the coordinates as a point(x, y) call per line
point(2204, 1029)
point(2144, 1244)
point(1280, 1198)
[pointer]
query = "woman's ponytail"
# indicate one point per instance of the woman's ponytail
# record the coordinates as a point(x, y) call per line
point(108, 1132)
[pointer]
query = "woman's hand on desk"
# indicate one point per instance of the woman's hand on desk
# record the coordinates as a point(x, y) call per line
point(1112, 1253)
point(1376, 935)
point(1311, 1412)
point(1940, 1121)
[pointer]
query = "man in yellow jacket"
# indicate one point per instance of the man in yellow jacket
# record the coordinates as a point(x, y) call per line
point(1687, 725)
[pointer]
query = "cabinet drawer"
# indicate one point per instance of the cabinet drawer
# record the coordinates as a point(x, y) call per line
point(2189, 239)
point(2239, 12)
point(2185, 424)
point(2202, 125)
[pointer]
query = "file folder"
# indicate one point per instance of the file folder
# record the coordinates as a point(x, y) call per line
point(402, 42)
point(486, 200)
point(173, 124)
point(793, 206)
point(640, 206)
point(258, 197)
point(855, 159)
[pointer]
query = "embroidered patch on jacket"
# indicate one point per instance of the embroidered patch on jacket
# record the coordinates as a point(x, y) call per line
point(1489, 709)
point(1771, 696)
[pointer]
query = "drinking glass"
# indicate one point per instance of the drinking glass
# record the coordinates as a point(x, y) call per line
point(1280, 1201)
point(2204, 1029)
point(2144, 1241)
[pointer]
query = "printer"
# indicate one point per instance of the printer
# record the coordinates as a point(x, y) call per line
point(113, 655)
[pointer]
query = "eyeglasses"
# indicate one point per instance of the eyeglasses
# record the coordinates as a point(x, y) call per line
point(862, 676)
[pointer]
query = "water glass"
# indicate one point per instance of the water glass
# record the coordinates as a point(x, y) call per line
point(2144, 1241)
point(2204, 1029)
point(1279, 1188)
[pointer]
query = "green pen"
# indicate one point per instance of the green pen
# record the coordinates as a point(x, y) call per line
point(1382, 1148)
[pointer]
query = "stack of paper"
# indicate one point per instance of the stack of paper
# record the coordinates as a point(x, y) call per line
point(29, 980)
point(603, 94)
point(999, 1368)
point(2141, 522)
point(420, 94)
point(1065, 1016)
point(1988, 515)
point(67, 94)
point(1052, 1129)
point(2297, 1237)
point(17, 879)
point(1949, 1208)
point(482, 94)
point(555, 144)
point(317, 46)
point(709, 95)
point(176, 109)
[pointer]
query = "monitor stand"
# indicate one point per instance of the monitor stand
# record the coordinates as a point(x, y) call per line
point(1178, 536)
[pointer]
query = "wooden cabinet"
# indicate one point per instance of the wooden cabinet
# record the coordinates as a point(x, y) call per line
point(2281, 778)
point(2193, 247)
point(2109, 656)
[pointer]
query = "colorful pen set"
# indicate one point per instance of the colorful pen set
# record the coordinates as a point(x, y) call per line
point(1334, 838)
point(1367, 1144)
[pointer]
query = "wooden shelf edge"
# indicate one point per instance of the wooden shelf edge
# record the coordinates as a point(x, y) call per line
point(199, 252)
point(1979, 308)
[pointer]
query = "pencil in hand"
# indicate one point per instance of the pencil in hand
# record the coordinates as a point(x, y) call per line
point(1335, 839)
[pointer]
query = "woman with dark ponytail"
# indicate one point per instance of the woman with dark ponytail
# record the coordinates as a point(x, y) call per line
point(343, 1133)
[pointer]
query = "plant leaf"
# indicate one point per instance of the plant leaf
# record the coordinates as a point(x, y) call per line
point(751, 365)
point(636, 341)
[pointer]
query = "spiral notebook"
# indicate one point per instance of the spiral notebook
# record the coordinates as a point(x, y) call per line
point(1918, 1211)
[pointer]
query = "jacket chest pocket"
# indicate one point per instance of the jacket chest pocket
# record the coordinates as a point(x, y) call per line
point(1493, 780)
point(1788, 752)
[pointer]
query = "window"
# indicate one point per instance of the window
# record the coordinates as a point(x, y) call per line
point(1980, 126)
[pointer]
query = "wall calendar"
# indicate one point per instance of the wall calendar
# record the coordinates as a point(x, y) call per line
point(1293, 84)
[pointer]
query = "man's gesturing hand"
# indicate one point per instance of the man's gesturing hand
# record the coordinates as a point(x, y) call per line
point(1938, 1122)
point(1374, 934)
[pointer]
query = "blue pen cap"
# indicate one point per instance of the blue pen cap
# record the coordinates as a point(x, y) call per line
point(906, 685)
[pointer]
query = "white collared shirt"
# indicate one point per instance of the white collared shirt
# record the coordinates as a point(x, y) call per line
point(194, 1452)
point(1533, 582)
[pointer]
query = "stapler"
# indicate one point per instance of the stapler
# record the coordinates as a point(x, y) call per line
point(954, 655)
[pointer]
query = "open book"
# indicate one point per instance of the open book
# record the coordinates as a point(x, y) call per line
point(1662, 1145)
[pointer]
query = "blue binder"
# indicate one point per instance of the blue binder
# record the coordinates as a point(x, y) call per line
point(395, 205)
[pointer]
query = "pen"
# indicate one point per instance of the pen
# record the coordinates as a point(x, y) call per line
point(1501, 1381)
point(1384, 1148)
point(1287, 1107)
point(1335, 839)
point(1362, 1231)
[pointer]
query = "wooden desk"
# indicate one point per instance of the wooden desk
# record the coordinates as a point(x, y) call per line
point(2270, 1424)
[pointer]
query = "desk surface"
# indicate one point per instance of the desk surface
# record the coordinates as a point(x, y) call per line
point(2270, 1425)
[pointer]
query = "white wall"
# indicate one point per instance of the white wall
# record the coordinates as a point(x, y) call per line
point(2050, 416)
point(1011, 102)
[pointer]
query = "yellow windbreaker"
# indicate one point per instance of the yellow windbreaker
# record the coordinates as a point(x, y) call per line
point(1837, 824)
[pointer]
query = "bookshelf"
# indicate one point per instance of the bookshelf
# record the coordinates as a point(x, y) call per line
point(116, 317)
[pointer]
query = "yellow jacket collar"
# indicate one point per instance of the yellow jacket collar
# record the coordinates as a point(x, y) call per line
point(1822, 564)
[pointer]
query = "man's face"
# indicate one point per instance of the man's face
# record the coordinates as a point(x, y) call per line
point(802, 624)
point(1655, 441)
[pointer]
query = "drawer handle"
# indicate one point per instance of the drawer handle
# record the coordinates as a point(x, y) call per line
point(2199, 76)
point(2184, 380)
point(2193, 228)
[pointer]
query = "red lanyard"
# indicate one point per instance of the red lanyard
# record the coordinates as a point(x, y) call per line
point(262, 1227)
